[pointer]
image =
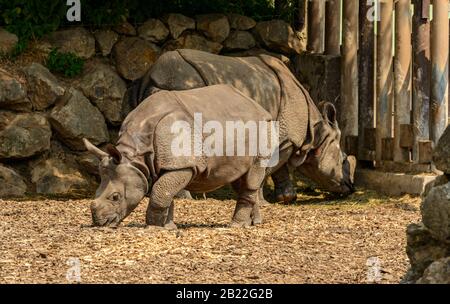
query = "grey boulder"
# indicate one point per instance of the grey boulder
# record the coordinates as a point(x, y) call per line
point(104, 87)
point(44, 88)
point(75, 118)
point(153, 30)
point(12, 184)
point(178, 23)
point(23, 135)
point(441, 154)
point(13, 94)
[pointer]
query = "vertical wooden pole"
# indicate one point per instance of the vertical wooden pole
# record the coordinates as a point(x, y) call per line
point(439, 69)
point(384, 76)
point(316, 26)
point(402, 75)
point(421, 75)
point(300, 23)
point(333, 27)
point(349, 101)
point(366, 86)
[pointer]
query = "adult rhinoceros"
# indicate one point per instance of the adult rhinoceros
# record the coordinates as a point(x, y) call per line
point(313, 136)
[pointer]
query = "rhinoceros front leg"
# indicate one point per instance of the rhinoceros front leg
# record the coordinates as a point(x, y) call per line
point(160, 209)
point(284, 190)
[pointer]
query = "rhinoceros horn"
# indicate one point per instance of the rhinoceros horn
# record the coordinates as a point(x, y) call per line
point(94, 150)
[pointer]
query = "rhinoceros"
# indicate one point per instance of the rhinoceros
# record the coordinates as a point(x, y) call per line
point(147, 150)
point(268, 81)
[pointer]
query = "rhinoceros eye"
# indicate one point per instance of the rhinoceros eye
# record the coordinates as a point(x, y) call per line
point(115, 197)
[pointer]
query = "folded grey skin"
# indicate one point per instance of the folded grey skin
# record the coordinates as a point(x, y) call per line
point(144, 152)
point(150, 149)
point(271, 84)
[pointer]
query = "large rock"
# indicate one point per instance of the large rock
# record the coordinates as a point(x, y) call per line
point(240, 22)
point(59, 177)
point(106, 40)
point(44, 88)
point(75, 118)
point(239, 40)
point(12, 184)
point(153, 30)
point(437, 273)
point(105, 89)
point(74, 40)
point(278, 36)
point(13, 95)
point(422, 250)
point(134, 56)
point(23, 135)
point(214, 26)
point(441, 154)
point(193, 41)
point(178, 23)
point(89, 162)
point(8, 41)
point(125, 28)
point(436, 211)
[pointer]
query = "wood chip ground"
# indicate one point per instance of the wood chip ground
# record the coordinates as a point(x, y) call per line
point(316, 240)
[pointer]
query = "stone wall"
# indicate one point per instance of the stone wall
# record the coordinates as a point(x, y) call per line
point(428, 242)
point(43, 117)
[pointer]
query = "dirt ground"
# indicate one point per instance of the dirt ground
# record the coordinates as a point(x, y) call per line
point(316, 240)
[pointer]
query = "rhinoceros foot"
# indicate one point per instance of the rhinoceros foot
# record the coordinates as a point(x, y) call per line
point(246, 214)
point(285, 193)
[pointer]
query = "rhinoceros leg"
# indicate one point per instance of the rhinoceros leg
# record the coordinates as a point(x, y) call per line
point(247, 212)
point(184, 194)
point(284, 190)
point(160, 209)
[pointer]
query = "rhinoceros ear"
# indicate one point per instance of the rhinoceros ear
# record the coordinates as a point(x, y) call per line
point(93, 149)
point(114, 153)
point(328, 111)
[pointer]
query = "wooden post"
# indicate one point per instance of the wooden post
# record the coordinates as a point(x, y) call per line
point(402, 66)
point(384, 76)
point(439, 69)
point(366, 86)
point(349, 101)
point(421, 74)
point(300, 22)
point(333, 27)
point(316, 26)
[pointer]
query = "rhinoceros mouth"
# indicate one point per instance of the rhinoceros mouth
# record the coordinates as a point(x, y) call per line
point(112, 221)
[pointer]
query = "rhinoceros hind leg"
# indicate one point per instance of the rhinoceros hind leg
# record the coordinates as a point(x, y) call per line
point(260, 198)
point(262, 202)
point(184, 194)
point(284, 190)
point(160, 209)
point(246, 212)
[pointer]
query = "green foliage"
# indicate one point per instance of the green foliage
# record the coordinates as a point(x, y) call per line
point(30, 19)
point(68, 64)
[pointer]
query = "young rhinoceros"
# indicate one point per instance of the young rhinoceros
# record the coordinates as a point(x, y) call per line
point(148, 148)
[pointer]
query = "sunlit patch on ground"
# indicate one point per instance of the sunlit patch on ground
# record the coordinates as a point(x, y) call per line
point(316, 240)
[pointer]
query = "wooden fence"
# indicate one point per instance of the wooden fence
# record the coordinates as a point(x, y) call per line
point(394, 74)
